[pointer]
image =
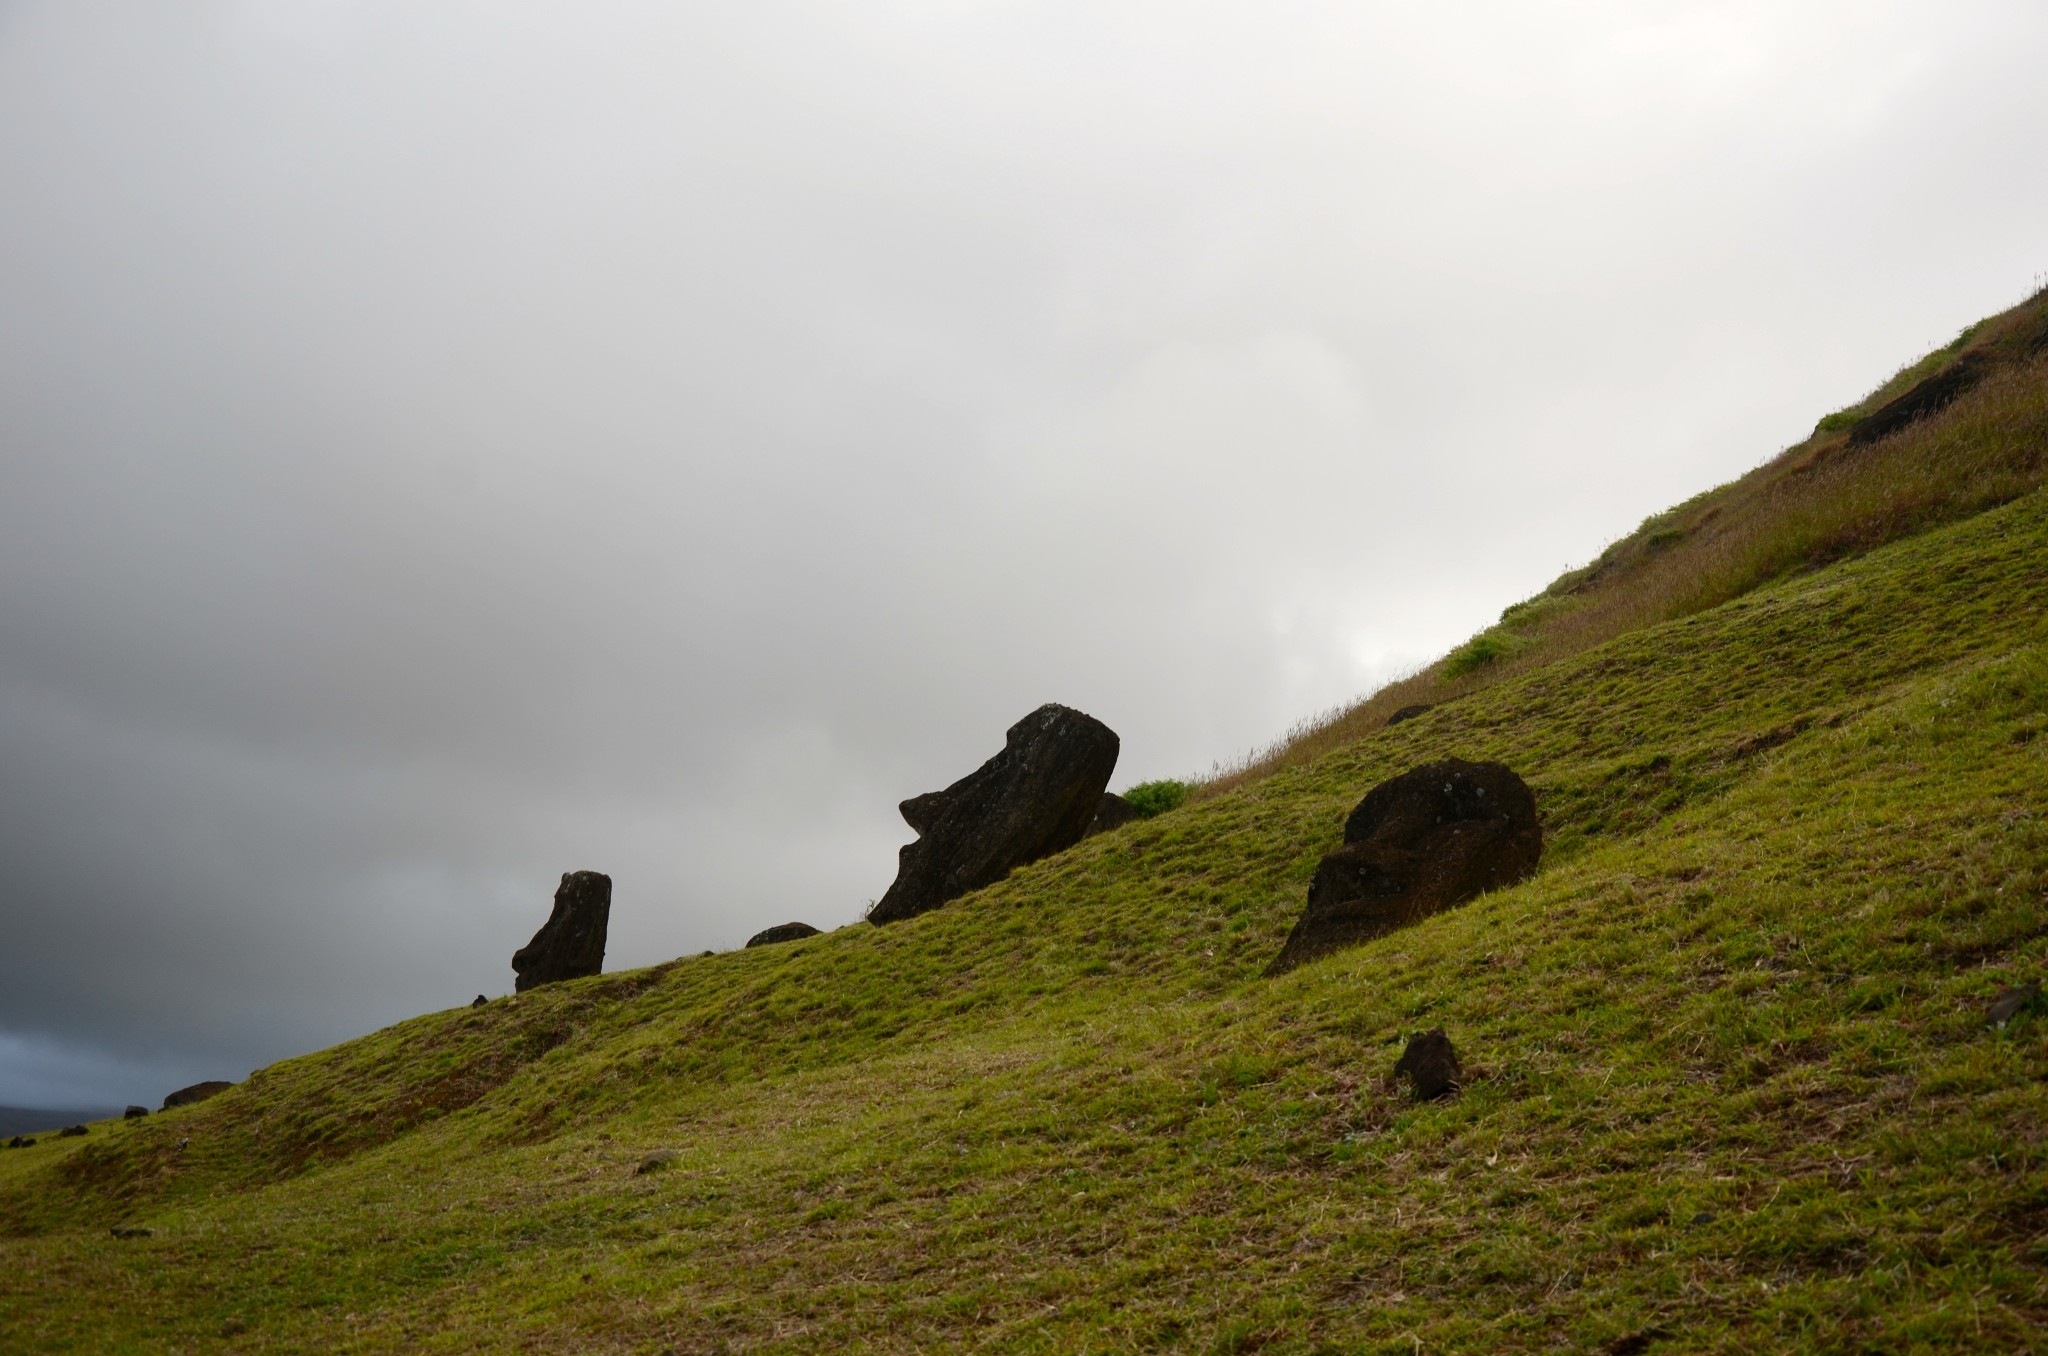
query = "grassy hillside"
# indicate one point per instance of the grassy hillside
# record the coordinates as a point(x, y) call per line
point(1734, 1088)
point(1963, 429)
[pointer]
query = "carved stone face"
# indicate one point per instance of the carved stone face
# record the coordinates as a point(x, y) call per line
point(1417, 844)
point(1037, 797)
point(570, 944)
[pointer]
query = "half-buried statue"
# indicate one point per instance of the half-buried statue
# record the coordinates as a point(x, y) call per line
point(1416, 845)
point(1037, 797)
point(570, 944)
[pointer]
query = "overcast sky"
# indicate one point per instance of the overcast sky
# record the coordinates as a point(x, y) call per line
point(445, 445)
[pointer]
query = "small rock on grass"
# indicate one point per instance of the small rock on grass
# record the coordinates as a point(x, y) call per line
point(132, 1231)
point(1113, 813)
point(1431, 1065)
point(656, 1161)
point(481, 1001)
point(2012, 1003)
point(135, 1113)
point(70, 1130)
point(198, 1092)
point(782, 932)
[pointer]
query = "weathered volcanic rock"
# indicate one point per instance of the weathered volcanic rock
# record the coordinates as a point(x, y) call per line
point(134, 1113)
point(782, 932)
point(656, 1161)
point(1408, 713)
point(2011, 1003)
point(1431, 1065)
point(570, 944)
point(1114, 812)
point(1036, 797)
point(68, 1131)
point(1416, 845)
point(480, 1001)
point(1930, 396)
point(198, 1092)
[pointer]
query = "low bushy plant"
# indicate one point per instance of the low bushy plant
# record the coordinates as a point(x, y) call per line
point(1476, 653)
point(1156, 798)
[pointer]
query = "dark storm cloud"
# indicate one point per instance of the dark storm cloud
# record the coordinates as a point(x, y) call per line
point(442, 446)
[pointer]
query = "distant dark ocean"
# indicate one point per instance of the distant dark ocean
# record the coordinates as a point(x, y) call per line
point(22, 1120)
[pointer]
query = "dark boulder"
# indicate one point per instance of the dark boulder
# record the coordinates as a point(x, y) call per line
point(1114, 812)
point(570, 944)
point(1408, 712)
point(72, 1130)
point(782, 932)
point(1416, 845)
point(19, 1143)
point(2011, 1003)
point(1929, 396)
point(480, 1001)
point(1037, 797)
point(135, 1113)
point(198, 1092)
point(1431, 1065)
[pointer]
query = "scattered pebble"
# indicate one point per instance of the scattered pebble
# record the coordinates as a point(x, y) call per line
point(2011, 1003)
point(1431, 1064)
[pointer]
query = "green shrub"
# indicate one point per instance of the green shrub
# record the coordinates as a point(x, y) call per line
point(1475, 653)
point(1156, 798)
point(1530, 613)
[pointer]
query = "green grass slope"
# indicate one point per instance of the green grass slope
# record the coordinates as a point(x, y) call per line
point(1733, 1090)
point(1866, 475)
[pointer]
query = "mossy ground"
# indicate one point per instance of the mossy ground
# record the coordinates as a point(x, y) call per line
point(1733, 1085)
